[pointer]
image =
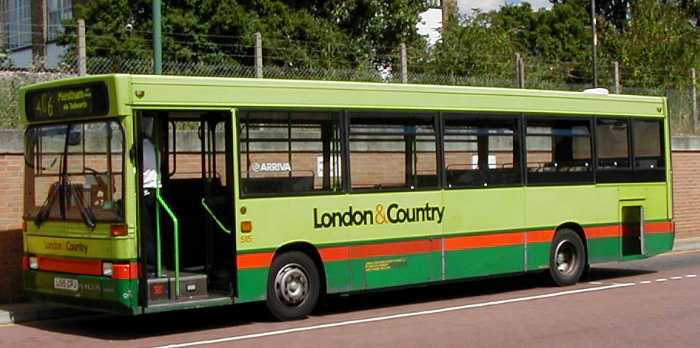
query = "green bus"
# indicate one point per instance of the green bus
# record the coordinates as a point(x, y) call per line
point(155, 193)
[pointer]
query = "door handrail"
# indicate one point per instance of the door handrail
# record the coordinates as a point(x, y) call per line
point(218, 222)
point(176, 231)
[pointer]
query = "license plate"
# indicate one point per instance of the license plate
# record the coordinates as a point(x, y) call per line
point(65, 284)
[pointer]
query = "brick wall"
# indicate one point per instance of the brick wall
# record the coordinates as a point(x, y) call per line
point(11, 181)
point(686, 193)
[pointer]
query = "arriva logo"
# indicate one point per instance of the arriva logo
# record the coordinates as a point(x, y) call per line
point(395, 214)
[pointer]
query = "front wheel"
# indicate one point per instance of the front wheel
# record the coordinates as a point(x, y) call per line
point(293, 286)
point(567, 259)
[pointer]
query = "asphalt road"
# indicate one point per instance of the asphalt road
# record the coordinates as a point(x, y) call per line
point(647, 303)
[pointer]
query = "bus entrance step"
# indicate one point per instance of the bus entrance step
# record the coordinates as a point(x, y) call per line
point(192, 286)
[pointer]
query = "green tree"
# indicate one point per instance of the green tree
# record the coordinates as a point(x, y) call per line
point(556, 43)
point(337, 33)
point(473, 48)
point(658, 47)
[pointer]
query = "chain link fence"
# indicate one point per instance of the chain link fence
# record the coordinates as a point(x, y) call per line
point(679, 100)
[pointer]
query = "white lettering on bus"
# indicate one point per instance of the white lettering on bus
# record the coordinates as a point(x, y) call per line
point(271, 167)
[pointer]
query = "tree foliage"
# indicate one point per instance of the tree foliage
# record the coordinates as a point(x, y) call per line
point(655, 41)
point(296, 33)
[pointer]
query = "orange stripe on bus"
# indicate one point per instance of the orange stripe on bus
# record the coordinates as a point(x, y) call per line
point(436, 244)
point(342, 253)
point(258, 260)
point(391, 249)
point(658, 227)
point(89, 267)
point(335, 254)
point(541, 236)
point(602, 231)
point(484, 241)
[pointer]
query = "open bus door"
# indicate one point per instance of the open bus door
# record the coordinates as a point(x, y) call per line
point(186, 213)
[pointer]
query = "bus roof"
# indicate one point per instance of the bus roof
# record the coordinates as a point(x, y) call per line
point(182, 92)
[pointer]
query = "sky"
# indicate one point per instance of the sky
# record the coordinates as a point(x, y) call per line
point(431, 19)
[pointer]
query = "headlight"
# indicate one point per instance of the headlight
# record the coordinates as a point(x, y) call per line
point(107, 269)
point(33, 262)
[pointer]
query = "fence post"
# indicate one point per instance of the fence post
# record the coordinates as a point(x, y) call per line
point(258, 56)
point(404, 64)
point(82, 55)
point(616, 66)
point(519, 71)
point(694, 97)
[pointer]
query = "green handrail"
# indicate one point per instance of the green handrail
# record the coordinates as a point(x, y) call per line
point(176, 229)
point(221, 225)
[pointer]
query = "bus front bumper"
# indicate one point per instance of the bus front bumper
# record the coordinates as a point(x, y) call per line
point(86, 292)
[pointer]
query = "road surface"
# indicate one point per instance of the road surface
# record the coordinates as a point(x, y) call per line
point(647, 303)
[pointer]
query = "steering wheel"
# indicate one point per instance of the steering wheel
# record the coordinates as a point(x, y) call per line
point(98, 193)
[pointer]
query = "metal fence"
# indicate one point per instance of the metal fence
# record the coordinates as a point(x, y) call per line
point(681, 104)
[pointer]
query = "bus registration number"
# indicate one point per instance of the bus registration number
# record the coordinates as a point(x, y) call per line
point(65, 284)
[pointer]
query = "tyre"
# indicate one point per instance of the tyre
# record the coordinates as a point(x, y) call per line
point(293, 286)
point(567, 258)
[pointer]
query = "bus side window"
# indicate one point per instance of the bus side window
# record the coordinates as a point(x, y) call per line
point(613, 150)
point(392, 151)
point(481, 151)
point(559, 151)
point(289, 152)
point(649, 163)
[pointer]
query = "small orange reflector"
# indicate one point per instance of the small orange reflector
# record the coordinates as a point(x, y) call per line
point(246, 226)
point(118, 230)
point(25, 263)
point(24, 226)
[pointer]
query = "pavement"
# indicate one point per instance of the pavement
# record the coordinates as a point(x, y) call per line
point(27, 312)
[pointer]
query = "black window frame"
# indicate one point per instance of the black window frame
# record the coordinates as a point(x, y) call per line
point(397, 114)
point(632, 174)
point(644, 174)
point(341, 124)
point(559, 178)
point(614, 175)
point(466, 117)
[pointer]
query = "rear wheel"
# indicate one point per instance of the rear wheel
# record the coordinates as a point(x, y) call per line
point(293, 286)
point(567, 259)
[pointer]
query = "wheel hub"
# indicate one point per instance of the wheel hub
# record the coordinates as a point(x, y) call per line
point(291, 285)
point(566, 257)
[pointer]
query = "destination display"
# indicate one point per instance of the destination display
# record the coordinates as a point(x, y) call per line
point(85, 100)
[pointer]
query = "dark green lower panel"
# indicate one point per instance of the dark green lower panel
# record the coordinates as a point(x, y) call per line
point(252, 284)
point(483, 262)
point(604, 249)
point(391, 271)
point(94, 293)
point(657, 243)
point(337, 277)
point(538, 256)
point(374, 273)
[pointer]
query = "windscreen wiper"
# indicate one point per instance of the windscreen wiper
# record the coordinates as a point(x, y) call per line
point(85, 212)
point(45, 209)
